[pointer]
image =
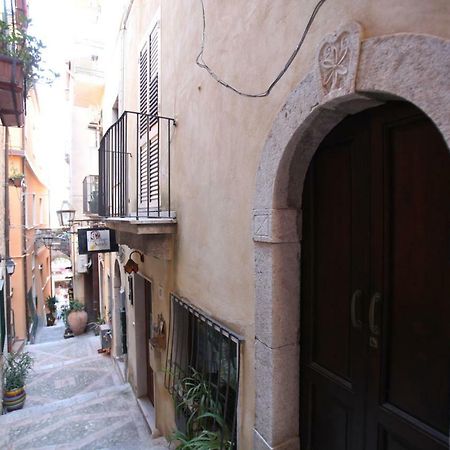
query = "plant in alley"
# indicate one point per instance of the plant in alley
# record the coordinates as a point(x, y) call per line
point(51, 302)
point(16, 369)
point(203, 426)
point(75, 317)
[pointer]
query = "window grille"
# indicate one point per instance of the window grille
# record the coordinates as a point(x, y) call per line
point(203, 349)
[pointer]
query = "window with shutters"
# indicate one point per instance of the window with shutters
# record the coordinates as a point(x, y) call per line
point(149, 183)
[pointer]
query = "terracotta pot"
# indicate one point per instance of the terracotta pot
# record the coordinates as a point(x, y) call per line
point(77, 322)
point(14, 400)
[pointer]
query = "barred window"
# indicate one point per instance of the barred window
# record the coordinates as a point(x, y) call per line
point(203, 360)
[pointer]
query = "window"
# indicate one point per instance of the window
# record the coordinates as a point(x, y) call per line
point(41, 211)
point(202, 350)
point(33, 210)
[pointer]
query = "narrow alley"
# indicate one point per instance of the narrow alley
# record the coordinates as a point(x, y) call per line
point(76, 399)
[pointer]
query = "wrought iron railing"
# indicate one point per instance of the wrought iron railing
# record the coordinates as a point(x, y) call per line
point(90, 195)
point(134, 167)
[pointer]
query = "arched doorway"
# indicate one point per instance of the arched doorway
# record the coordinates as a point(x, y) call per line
point(388, 68)
point(374, 300)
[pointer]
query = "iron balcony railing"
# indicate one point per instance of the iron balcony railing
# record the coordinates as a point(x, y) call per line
point(90, 195)
point(134, 167)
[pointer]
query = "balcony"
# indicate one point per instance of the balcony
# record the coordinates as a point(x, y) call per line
point(12, 75)
point(134, 175)
point(90, 195)
point(11, 91)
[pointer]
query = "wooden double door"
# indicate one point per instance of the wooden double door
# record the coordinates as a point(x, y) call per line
point(375, 307)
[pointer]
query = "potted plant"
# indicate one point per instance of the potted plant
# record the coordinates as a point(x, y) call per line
point(76, 317)
point(20, 58)
point(199, 419)
point(15, 177)
point(16, 369)
point(51, 302)
point(16, 44)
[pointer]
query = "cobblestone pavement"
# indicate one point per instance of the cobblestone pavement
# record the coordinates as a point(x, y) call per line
point(75, 400)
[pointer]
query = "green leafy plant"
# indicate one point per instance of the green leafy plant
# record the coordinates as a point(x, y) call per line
point(205, 426)
point(15, 174)
point(51, 302)
point(16, 43)
point(16, 370)
point(74, 305)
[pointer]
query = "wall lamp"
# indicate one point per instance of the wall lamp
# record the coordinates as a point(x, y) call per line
point(9, 264)
point(132, 266)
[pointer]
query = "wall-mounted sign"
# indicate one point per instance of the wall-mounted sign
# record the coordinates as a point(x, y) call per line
point(96, 240)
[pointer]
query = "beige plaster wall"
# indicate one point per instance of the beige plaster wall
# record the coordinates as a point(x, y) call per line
point(217, 144)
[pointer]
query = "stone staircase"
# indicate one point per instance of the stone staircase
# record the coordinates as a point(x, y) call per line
point(76, 400)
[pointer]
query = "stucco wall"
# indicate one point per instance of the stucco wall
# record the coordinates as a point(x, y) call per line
point(219, 137)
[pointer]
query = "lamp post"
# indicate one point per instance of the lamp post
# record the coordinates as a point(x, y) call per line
point(66, 214)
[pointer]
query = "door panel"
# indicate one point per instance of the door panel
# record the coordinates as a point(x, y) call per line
point(376, 223)
point(414, 362)
point(332, 350)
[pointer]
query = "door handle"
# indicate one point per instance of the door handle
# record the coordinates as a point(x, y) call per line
point(356, 297)
point(374, 328)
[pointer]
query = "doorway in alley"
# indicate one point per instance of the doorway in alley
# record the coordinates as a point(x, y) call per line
point(148, 328)
point(374, 372)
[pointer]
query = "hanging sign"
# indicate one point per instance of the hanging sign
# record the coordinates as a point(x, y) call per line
point(96, 240)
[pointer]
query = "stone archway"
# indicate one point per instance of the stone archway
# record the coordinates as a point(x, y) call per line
point(406, 66)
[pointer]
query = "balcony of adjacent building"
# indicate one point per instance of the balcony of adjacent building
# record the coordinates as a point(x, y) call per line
point(12, 78)
point(134, 183)
point(90, 195)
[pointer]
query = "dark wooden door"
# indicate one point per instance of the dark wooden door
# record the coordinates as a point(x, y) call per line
point(148, 328)
point(375, 309)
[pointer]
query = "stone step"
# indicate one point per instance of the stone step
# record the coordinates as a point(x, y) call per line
point(108, 419)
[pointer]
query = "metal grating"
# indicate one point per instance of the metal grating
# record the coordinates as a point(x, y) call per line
point(123, 157)
point(202, 349)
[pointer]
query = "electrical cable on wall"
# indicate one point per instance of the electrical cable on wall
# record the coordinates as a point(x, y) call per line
point(201, 63)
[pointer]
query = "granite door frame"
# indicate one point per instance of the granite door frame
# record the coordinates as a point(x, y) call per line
point(409, 67)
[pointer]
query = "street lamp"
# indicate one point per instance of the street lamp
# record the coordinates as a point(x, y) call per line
point(66, 214)
point(9, 264)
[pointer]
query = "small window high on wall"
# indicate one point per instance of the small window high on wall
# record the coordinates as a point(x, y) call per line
point(202, 375)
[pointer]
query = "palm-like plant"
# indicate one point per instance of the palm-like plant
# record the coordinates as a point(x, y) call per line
point(16, 369)
point(205, 426)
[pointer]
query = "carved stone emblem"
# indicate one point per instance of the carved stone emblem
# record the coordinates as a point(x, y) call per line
point(338, 59)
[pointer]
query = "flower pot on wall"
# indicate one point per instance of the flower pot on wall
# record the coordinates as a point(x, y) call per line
point(77, 322)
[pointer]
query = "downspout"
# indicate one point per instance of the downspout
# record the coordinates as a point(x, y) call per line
point(7, 225)
point(24, 245)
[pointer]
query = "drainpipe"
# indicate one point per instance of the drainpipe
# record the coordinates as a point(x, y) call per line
point(24, 243)
point(7, 224)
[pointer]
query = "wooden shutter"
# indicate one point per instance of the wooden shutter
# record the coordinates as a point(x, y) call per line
point(148, 126)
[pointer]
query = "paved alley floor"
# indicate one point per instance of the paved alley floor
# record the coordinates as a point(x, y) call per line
point(75, 400)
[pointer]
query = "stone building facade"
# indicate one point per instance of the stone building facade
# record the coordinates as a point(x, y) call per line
point(233, 251)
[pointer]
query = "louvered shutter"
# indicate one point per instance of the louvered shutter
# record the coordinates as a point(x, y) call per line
point(148, 124)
